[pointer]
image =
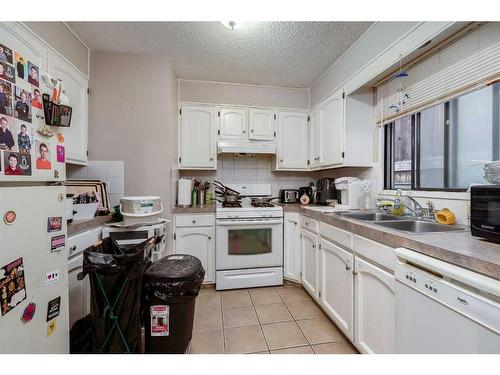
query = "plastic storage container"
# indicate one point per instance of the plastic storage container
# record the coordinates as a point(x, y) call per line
point(170, 289)
point(140, 209)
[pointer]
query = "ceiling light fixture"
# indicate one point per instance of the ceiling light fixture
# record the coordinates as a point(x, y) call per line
point(232, 24)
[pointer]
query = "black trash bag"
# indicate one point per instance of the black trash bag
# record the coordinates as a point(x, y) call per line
point(171, 283)
point(120, 272)
point(80, 336)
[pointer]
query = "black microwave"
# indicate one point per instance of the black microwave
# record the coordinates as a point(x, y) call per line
point(485, 211)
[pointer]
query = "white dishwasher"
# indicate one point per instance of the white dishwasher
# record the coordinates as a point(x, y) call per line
point(442, 308)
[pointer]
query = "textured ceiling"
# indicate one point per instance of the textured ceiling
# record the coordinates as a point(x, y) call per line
point(291, 54)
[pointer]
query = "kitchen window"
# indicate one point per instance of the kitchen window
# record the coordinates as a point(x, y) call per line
point(439, 148)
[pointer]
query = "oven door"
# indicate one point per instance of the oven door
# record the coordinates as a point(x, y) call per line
point(249, 243)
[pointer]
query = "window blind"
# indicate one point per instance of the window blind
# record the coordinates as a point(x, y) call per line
point(468, 63)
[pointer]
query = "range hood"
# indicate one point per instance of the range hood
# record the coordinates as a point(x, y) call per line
point(246, 147)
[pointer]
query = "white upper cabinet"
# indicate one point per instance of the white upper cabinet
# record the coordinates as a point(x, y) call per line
point(292, 141)
point(233, 123)
point(315, 143)
point(75, 87)
point(261, 122)
point(332, 130)
point(341, 131)
point(197, 137)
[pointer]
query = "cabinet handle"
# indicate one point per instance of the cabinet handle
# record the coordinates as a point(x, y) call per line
point(347, 267)
point(209, 237)
point(194, 221)
point(211, 159)
point(354, 272)
point(251, 131)
point(72, 248)
point(244, 131)
point(281, 160)
point(314, 246)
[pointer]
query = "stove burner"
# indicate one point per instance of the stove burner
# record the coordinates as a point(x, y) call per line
point(231, 204)
point(262, 204)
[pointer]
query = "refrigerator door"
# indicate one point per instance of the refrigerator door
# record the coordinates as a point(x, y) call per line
point(33, 270)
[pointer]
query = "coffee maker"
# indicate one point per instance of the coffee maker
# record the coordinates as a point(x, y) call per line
point(326, 191)
point(350, 190)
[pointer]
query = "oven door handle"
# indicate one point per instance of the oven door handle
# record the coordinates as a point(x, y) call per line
point(248, 222)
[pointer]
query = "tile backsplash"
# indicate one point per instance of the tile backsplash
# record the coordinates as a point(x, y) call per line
point(239, 169)
point(111, 172)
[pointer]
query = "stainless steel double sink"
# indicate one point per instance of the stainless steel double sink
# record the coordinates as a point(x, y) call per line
point(402, 223)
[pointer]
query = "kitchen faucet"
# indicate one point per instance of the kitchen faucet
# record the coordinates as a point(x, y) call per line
point(428, 213)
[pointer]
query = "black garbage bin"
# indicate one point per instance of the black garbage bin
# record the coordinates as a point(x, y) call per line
point(170, 288)
point(116, 281)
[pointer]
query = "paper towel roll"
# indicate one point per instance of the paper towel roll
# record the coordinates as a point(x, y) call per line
point(184, 192)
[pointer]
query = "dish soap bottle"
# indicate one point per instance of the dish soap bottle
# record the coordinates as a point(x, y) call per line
point(397, 209)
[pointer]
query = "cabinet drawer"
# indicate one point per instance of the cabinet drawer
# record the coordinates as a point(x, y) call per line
point(309, 224)
point(340, 236)
point(77, 243)
point(375, 251)
point(194, 220)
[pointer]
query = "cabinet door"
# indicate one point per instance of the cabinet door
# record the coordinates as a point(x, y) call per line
point(292, 255)
point(309, 248)
point(197, 137)
point(233, 123)
point(75, 86)
point(198, 242)
point(337, 286)
point(261, 123)
point(332, 130)
point(76, 289)
point(374, 308)
point(315, 143)
point(292, 145)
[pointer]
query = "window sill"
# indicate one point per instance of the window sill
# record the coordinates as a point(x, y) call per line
point(449, 195)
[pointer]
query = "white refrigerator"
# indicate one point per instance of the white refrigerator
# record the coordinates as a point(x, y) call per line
point(33, 252)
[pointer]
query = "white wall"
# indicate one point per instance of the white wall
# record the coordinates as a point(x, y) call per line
point(239, 94)
point(58, 36)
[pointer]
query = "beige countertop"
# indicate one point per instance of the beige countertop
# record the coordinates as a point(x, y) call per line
point(458, 248)
point(78, 226)
point(198, 209)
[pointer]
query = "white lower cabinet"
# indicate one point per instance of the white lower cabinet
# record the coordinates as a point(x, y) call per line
point(374, 307)
point(198, 241)
point(337, 285)
point(79, 290)
point(309, 244)
point(291, 242)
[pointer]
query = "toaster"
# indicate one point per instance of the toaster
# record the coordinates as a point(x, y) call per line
point(289, 196)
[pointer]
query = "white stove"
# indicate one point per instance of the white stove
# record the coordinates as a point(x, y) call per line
point(249, 241)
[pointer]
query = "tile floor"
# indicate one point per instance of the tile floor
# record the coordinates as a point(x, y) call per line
point(276, 320)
